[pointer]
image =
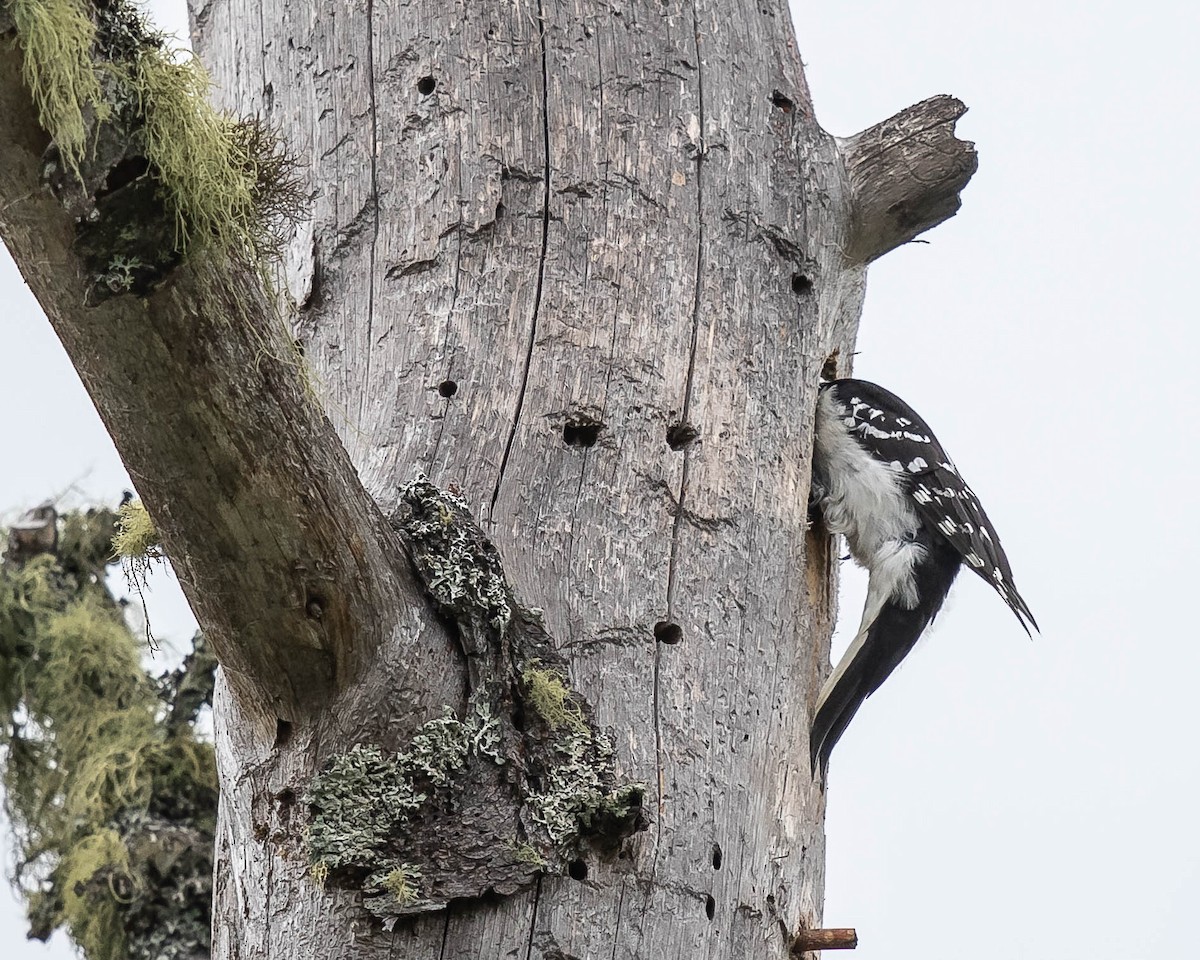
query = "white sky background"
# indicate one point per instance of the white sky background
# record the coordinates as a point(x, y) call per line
point(997, 798)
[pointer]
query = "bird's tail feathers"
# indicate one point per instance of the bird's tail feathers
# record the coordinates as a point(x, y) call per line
point(840, 698)
point(870, 660)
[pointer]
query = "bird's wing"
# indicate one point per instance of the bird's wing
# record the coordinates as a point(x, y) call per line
point(948, 505)
point(896, 434)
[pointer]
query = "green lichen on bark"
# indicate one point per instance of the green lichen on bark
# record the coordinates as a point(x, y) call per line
point(518, 782)
point(364, 799)
point(150, 170)
point(460, 567)
point(112, 800)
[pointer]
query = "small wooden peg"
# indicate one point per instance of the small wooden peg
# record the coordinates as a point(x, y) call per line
point(835, 938)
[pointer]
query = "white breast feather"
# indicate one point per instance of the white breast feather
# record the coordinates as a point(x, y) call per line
point(863, 500)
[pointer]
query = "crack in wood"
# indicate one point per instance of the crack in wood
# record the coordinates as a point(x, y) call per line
point(374, 179)
point(541, 268)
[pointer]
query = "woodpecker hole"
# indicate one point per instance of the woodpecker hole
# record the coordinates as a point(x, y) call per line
point(299, 345)
point(829, 371)
point(801, 285)
point(679, 435)
point(447, 388)
point(581, 432)
point(710, 906)
point(283, 732)
point(716, 856)
point(314, 608)
point(577, 870)
point(782, 101)
point(667, 632)
point(426, 86)
point(286, 798)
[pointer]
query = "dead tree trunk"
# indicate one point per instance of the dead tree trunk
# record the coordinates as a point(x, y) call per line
point(584, 263)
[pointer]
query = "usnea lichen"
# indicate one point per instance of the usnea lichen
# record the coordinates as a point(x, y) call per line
point(547, 692)
point(225, 182)
point(136, 538)
point(136, 545)
point(94, 771)
point(57, 37)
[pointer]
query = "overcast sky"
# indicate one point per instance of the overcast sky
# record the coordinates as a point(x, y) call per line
point(997, 798)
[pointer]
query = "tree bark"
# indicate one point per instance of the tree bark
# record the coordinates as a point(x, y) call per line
point(584, 263)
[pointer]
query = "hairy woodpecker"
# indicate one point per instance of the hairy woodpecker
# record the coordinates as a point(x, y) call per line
point(882, 480)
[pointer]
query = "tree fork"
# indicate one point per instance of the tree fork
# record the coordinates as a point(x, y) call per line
point(519, 783)
point(208, 405)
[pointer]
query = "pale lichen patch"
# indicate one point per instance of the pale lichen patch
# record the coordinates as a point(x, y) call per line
point(577, 798)
point(364, 797)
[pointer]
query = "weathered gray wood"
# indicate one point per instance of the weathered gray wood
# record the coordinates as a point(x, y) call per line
point(906, 174)
point(584, 262)
point(678, 257)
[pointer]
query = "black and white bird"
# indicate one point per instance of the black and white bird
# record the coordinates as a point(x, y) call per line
point(882, 480)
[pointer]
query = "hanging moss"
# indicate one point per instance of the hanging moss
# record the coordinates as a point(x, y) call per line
point(111, 92)
point(99, 781)
point(97, 868)
point(136, 538)
point(225, 181)
point(57, 37)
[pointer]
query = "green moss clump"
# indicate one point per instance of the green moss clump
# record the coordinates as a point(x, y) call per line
point(57, 37)
point(547, 692)
point(526, 853)
point(136, 537)
point(403, 883)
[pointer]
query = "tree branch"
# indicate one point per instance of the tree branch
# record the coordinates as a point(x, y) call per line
point(906, 174)
point(289, 566)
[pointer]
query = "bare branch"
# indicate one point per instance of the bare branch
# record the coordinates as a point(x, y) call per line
point(906, 175)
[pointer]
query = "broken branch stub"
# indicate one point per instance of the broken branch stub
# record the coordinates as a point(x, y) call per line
point(906, 175)
point(518, 782)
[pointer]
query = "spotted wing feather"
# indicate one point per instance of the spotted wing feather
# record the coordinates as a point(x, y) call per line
point(895, 434)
